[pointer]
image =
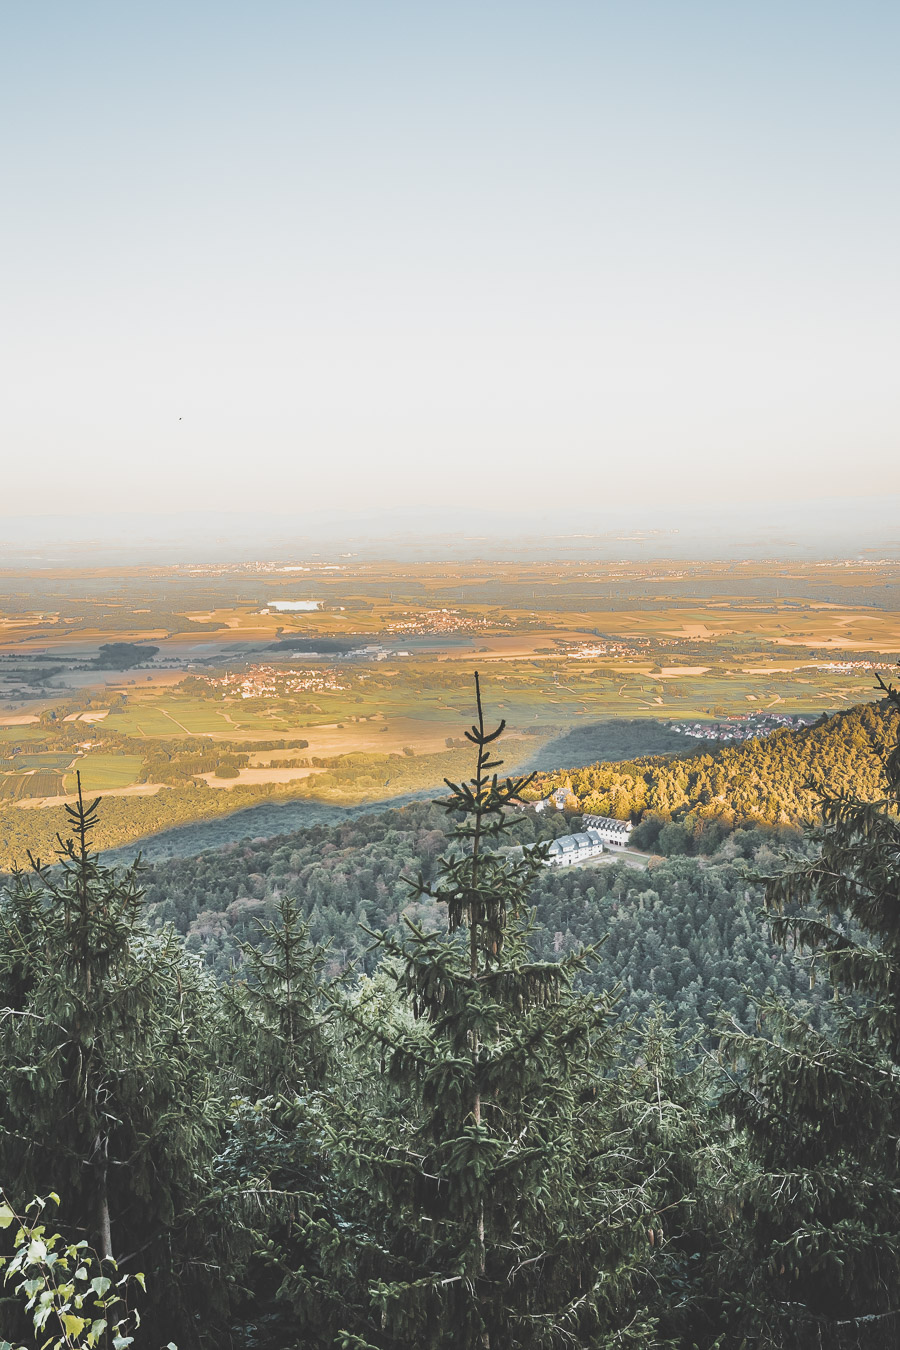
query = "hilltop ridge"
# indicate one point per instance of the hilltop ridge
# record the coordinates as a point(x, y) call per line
point(771, 781)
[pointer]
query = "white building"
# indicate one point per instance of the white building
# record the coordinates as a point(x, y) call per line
point(572, 848)
point(611, 831)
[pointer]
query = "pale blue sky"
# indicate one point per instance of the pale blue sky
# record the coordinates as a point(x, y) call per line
point(292, 256)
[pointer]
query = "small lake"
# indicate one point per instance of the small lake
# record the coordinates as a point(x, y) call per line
point(287, 606)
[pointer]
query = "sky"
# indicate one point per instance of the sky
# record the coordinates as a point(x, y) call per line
point(306, 258)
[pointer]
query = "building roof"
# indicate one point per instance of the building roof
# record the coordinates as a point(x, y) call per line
point(576, 843)
point(609, 823)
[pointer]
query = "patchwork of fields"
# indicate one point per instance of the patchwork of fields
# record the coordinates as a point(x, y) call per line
point(224, 702)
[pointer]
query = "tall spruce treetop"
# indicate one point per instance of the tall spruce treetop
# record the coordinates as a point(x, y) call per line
point(489, 1200)
point(821, 1110)
point(480, 889)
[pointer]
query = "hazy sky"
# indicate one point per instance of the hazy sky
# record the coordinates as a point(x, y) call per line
point(298, 255)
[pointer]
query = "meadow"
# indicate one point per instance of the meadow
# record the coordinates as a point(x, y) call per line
point(101, 772)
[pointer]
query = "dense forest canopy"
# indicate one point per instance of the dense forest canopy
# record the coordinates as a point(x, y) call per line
point(395, 1082)
point(685, 934)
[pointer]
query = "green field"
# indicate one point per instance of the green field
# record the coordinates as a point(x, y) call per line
point(144, 720)
point(21, 786)
point(48, 759)
point(197, 716)
point(100, 772)
point(171, 717)
point(19, 735)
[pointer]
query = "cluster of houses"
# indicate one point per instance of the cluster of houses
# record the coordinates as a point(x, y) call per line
point(444, 621)
point(587, 651)
point(741, 728)
point(845, 667)
point(269, 682)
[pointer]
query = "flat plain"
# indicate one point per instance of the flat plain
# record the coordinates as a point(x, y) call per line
point(227, 702)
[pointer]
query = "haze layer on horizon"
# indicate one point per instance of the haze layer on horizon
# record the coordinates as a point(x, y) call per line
point(378, 259)
point(823, 530)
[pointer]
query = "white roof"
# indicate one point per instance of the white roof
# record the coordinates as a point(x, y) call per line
point(575, 843)
point(609, 823)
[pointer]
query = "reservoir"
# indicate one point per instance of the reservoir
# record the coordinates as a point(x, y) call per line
point(286, 606)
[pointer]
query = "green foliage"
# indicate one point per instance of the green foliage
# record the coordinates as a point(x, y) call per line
point(106, 1063)
point(75, 1299)
point(277, 1022)
point(820, 1109)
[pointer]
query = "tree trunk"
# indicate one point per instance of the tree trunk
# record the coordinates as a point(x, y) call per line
point(104, 1229)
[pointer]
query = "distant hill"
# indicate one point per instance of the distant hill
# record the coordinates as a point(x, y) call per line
point(615, 738)
point(771, 781)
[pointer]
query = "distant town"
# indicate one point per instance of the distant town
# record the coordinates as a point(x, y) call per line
point(743, 727)
point(445, 621)
point(265, 681)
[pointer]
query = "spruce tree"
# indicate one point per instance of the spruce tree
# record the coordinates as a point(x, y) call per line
point(275, 1190)
point(818, 1263)
point(106, 1068)
point(489, 1196)
point(277, 1009)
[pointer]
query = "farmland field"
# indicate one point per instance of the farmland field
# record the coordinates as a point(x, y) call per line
point(47, 760)
point(21, 786)
point(100, 772)
point(11, 736)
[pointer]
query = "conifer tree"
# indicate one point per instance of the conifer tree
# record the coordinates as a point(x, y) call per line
point(106, 1089)
point(278, 1027)
point(275, 1188)
point(820, 1242)
point(489, 1201)
point(681, 1155)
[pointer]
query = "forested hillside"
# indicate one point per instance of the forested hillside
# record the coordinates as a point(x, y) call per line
point(686, 934)
point(774, 780)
